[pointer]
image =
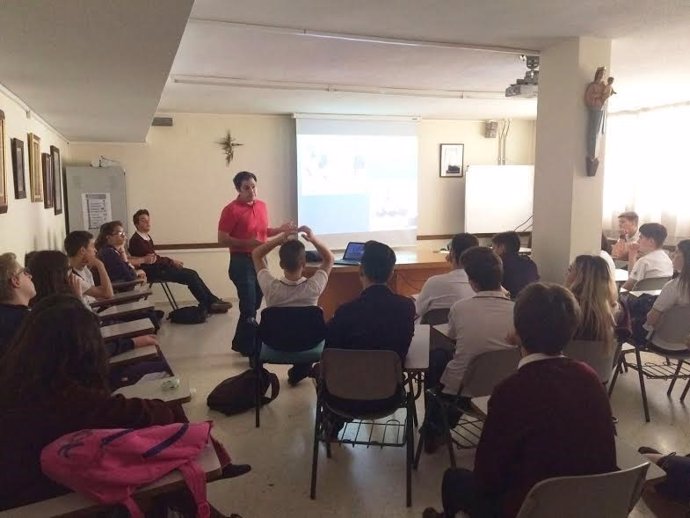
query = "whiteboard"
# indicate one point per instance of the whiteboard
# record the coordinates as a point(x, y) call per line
point(498, 198)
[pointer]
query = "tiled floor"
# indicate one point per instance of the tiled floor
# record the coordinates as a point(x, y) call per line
point(357, 481)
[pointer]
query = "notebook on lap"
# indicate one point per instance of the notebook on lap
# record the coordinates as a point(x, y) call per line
point(353, 254)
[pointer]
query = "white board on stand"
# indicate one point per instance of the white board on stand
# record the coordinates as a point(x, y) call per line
point(498, 198)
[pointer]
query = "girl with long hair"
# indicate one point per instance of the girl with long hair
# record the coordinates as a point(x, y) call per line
point(590, 280)
point(677, 291)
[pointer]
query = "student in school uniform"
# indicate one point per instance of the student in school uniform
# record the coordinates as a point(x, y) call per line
point(81, 251)
point(518, 270)
point(16, 290)
point(550, 419)
point(444, 290)
point(655, 262)
point(292, 289)
point(677, 291)
point(53, 381)
point(605, 254)
point(161, 268)
point(53, 276)
point(629, 234)
point(479, 324)
point(110, 245)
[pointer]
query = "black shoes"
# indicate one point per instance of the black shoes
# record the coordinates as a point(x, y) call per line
point(235, 470)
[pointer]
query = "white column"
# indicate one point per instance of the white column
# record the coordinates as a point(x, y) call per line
point(567, 203)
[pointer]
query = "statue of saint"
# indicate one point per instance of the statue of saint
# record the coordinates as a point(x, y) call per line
point(596, 95)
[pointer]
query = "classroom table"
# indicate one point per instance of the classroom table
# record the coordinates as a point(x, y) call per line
point(137, 354)
point(439, 339)
point(417, 359)
point(153, 389)
point(130, 329)
point(126, 310)
point(626, 455)
point(413, 267)
point(637, 294)
point(73, 504)
point(122, 298)
point(126, 285)
point(620, 276)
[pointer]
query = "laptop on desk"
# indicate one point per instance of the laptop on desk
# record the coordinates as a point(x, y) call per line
point(353, 254)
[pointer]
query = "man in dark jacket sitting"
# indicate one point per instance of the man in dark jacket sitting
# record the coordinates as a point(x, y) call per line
point(159, 268)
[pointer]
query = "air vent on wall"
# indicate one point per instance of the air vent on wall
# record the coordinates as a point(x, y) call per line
point(162, 121)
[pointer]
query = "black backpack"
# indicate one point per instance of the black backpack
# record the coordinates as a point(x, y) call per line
point(238, 394)
point(188, 315)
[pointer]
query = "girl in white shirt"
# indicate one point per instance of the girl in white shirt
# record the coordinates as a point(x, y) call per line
point(677, 291)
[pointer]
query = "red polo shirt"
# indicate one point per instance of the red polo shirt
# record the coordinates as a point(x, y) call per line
point(244, 221)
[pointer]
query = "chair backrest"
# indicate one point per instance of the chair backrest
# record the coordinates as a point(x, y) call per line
point(596, 354)
point(434, 317)
point(361, 375)
point(292, 329)
point(487, 370)
point(673, 329)
point(608, 495)
point(653, 283)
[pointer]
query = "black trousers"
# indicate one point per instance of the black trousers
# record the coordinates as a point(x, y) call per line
point(189, 278)
point(459, 492)
point(243, 276)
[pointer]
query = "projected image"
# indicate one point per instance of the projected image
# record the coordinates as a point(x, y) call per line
point(355, 177)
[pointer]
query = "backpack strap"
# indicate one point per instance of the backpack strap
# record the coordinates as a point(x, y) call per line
point(132, 508)
point(195, 478)
point(275, 386)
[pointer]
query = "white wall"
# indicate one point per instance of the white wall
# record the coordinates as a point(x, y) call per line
point(181, 177)
point(28, 226)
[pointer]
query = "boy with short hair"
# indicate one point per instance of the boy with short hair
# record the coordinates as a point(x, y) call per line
point(293, 289)
point(655, 262)
point(81, 250)
point(518, 270)
point(629, 234)
point(16, 290)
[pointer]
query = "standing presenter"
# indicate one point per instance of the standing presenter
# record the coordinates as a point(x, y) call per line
point(243, 226)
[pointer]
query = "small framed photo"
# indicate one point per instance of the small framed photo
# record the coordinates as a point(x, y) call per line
point(18, 169)
point(35, 175)
point(56, 163)
point(48, 181)
point(3, 169)
point(452, 160)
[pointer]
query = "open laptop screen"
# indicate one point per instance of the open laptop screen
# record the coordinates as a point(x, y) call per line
point(354, 251)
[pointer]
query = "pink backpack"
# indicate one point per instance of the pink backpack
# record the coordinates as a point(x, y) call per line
point(109, 465)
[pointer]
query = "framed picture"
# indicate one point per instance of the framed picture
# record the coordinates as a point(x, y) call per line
point(18, 168)
point(48, 181)
point(3, 177)
point(452, 160)
point(57, 178)
point(35, 168)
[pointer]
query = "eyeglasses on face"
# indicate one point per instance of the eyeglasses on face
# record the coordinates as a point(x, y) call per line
point(119, 233)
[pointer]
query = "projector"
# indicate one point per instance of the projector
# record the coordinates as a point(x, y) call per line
point(522, 90)
point(529, 85)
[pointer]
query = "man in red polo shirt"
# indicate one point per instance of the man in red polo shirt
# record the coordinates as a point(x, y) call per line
point(243, 226)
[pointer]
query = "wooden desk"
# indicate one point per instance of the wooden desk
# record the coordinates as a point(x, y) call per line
point(126, 285)
point(73, 504)
point(413, 267)
point(626, 455)
point(140, 353)
point(154, 390)
point(126, 310)
point(122, 298)
point(130, 329)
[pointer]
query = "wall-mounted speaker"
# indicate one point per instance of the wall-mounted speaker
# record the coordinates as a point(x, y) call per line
point(490, 129)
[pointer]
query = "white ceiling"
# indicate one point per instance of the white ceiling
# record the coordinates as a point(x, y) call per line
point(97, 69)
point(650, 42)
point(93, 69)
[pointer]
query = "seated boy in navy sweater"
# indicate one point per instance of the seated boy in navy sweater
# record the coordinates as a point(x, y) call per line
point(551, 418)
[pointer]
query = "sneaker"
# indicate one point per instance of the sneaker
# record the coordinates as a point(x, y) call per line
point(430, 512)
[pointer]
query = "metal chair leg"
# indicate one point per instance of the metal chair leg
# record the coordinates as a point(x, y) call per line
point(169, 295)
point(257, 406)
point(410, 449)
point(685, 391)
point(615, 376)
point(315, 451)
point(643, 392)
point(675, 377)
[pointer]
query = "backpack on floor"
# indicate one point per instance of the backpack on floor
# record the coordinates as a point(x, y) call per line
point(109, 465)
point(238, 394)
point(188, 315)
